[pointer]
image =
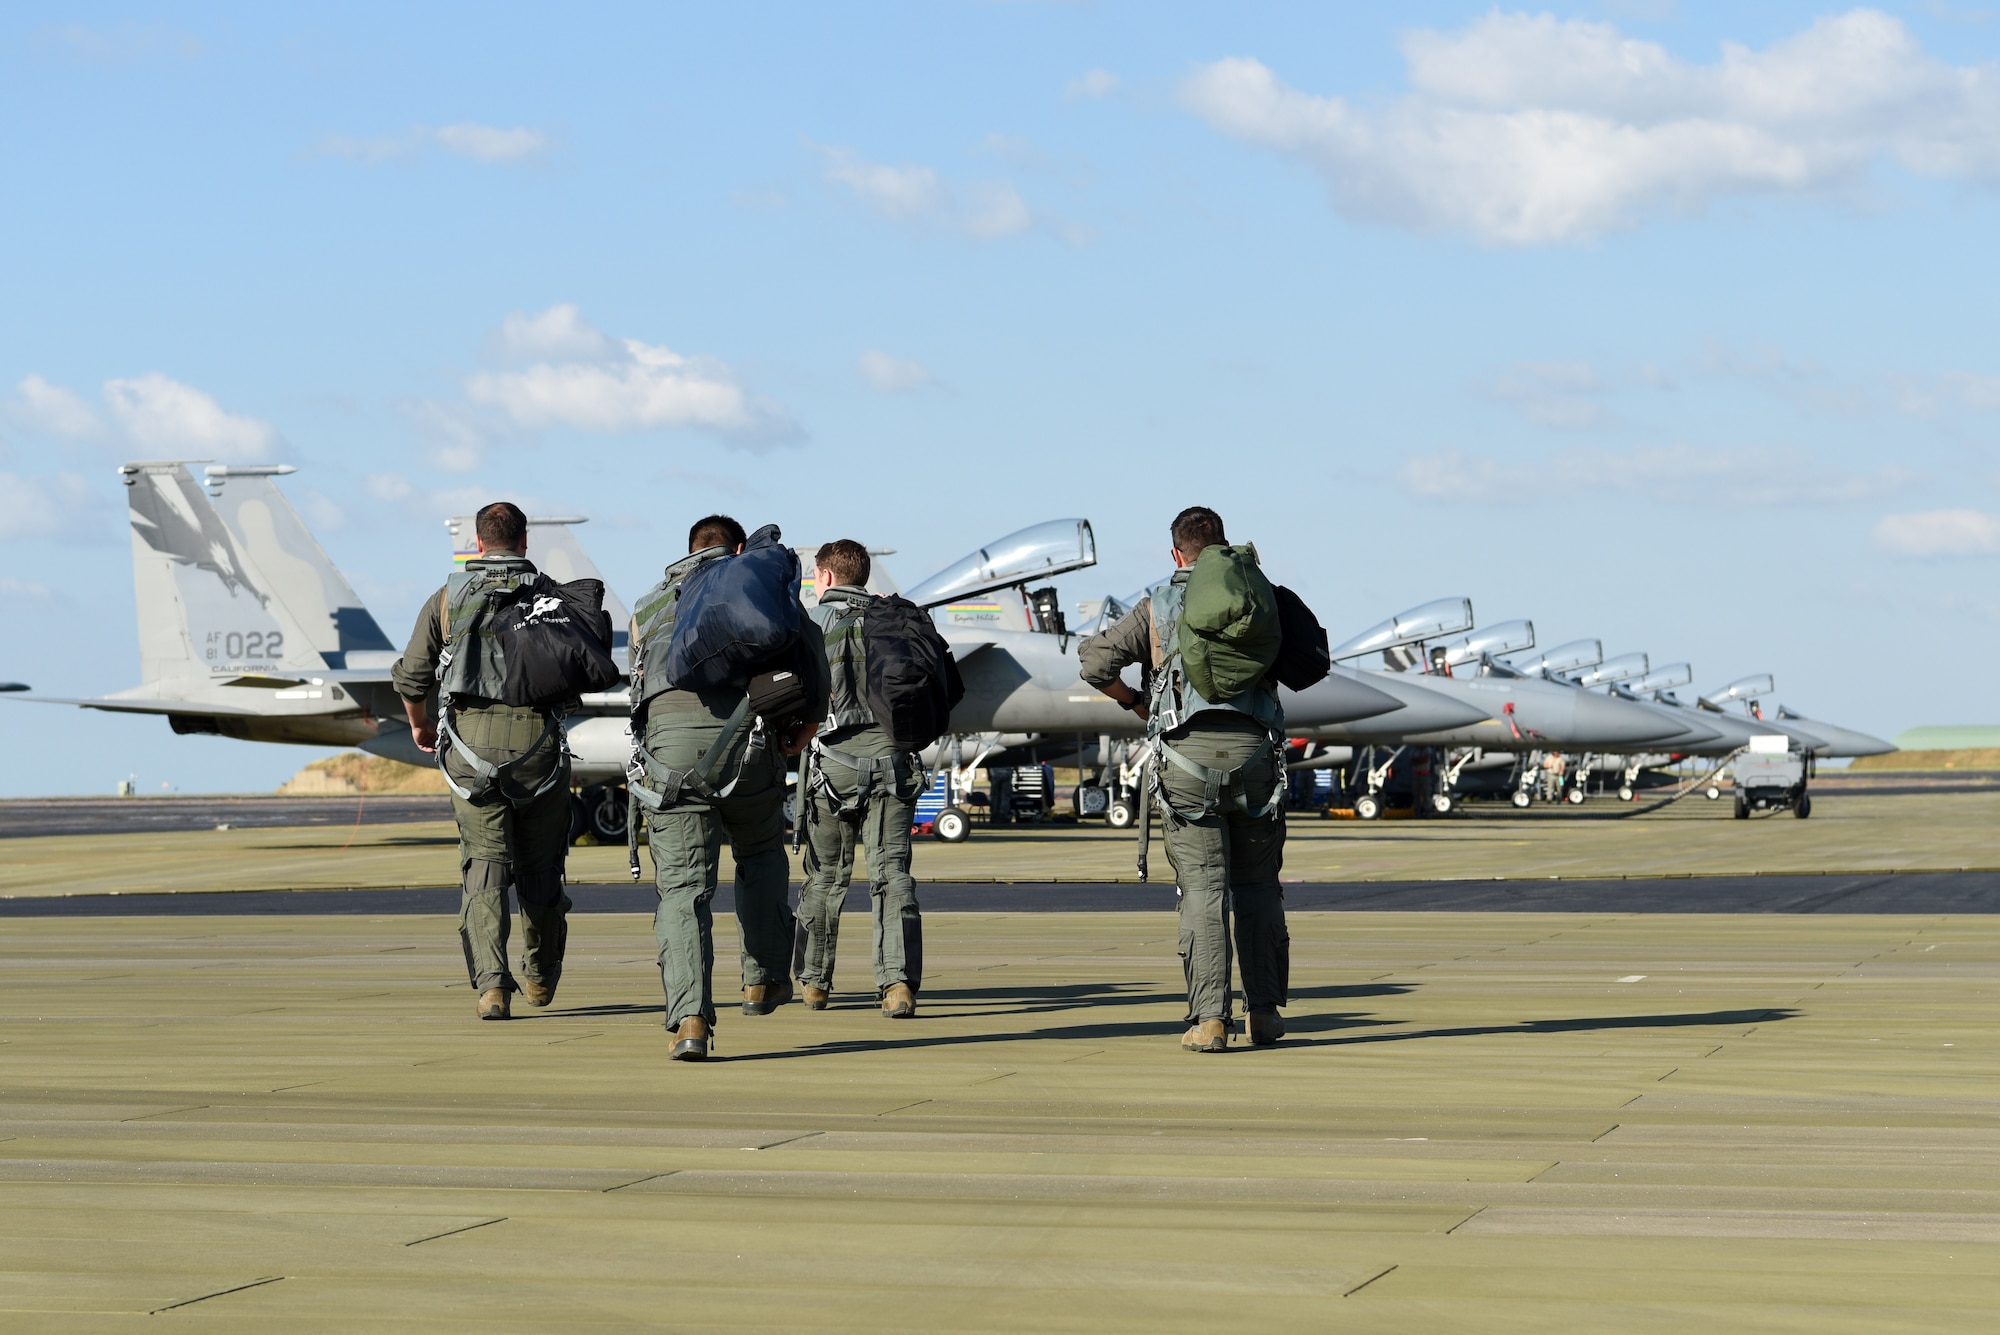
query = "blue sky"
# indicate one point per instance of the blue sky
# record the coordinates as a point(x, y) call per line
point(1660, 322)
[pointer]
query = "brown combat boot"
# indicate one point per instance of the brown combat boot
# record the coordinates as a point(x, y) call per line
point(1208, 1036)
point(1266, 1028)
point(815, 998)
point(898, 1002)
point(493, 1004)
point(690, 1041)
point(763, 998)
point(537, 994)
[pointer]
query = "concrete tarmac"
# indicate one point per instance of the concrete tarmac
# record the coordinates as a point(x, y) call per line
point(1901, 892)
point(33, 816)
point(1493, 1122)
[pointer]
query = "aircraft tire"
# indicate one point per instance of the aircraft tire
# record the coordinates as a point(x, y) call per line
point(1803, 807)
point(1522, 800)
point(1626, 794)
point(608, 815)
point(1120, 816)
point(1441, 803)
point(951, 826)
point(1712, 794)
point(1367, 806)
point(1575, 797)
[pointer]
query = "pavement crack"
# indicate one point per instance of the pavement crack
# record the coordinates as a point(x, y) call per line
point(789, 1140)
point(903, 1108)
point(650, 1177)
point(169, 1112)
point(989, 1079)
point(1365, 1283)
point(1605, 1132)
point(307, 1085)
point(1665, 1076)
point(189, 1302)
point(454, 1232)
point(1557, 1164)
point(595, 1033)
point(1448, 1232)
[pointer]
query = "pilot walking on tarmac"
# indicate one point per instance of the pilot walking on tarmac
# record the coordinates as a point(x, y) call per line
point(1217, 768)
point(859, 789)
point(707, 776)
point(509, 773)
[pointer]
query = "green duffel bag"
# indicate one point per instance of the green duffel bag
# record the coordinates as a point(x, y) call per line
point(1229, 632)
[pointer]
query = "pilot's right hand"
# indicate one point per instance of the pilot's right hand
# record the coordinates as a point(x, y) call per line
point(426, 736)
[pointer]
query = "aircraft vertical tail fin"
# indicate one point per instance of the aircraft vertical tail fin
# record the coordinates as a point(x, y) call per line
point(203, 611)
point(296, 571)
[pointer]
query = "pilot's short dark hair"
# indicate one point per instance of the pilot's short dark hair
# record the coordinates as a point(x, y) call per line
point(847, 560)
point(716, 531)
point(1196, 528)
point(501, 525)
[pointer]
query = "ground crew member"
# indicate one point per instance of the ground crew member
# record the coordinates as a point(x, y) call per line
point(686, 834)
point(513, 827)
point(858, 789)
point(1218, 772)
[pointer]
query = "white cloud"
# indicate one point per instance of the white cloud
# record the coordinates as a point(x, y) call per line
point(892, 375)
point(559, 333)
point(161, 413)
point(625, 385)
point(459, 441)
point(1751, 476)
point(1092, 84)
point(33, 507)
point(1554, 394)
point(1939, 533)
point(119, 44)
point(983, 210)
point(388, 488)
point(486, 143)
point(41, 406)
point(1527, 130)
point(24, 590)
point(1932, 396)
point(481, 143)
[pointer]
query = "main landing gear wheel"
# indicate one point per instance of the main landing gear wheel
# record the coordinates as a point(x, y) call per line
point(1367, 806)
point(1120, 816)
point(1574, 797)
point(1803, 807)
point(1441, 803)
point(951, 826)
point(1712, 794)
point(1522, 800)
point(1626, 794)
point(608, 815)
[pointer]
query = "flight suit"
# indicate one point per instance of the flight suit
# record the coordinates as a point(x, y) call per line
point(506, 836)
point(1226, 862)
point(880, 823)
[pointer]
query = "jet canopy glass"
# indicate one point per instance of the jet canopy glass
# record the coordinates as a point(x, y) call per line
point(1446, 616)
point(1563, 658)
point(1622, 668)
point(1663, 678)
point(1743, 688)
point(1503, 637)
point(1038, 552)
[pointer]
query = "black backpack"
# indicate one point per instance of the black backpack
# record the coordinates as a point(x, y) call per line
point(555, 640)
point(1303, 657)
point(912, 679)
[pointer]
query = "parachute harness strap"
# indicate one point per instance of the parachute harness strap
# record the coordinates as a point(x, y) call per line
point(866, 771)
point(1213, 782)
point(487, 776)
point(699, 781)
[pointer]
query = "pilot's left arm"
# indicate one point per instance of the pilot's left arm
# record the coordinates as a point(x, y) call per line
point(1106, 655)
point(415, 673)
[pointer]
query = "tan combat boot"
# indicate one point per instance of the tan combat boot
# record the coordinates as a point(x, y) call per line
point(1208, 1036)
point(537, 994)
point(493, 1004)
point(899, 1003)
point(690, 1041)
point(815, 998)
point(763, 998)
point(1266, 1028)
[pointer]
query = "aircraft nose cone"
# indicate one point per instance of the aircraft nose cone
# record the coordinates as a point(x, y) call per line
point(1607, 724)
point(1429, 706)
point(1340, 698)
